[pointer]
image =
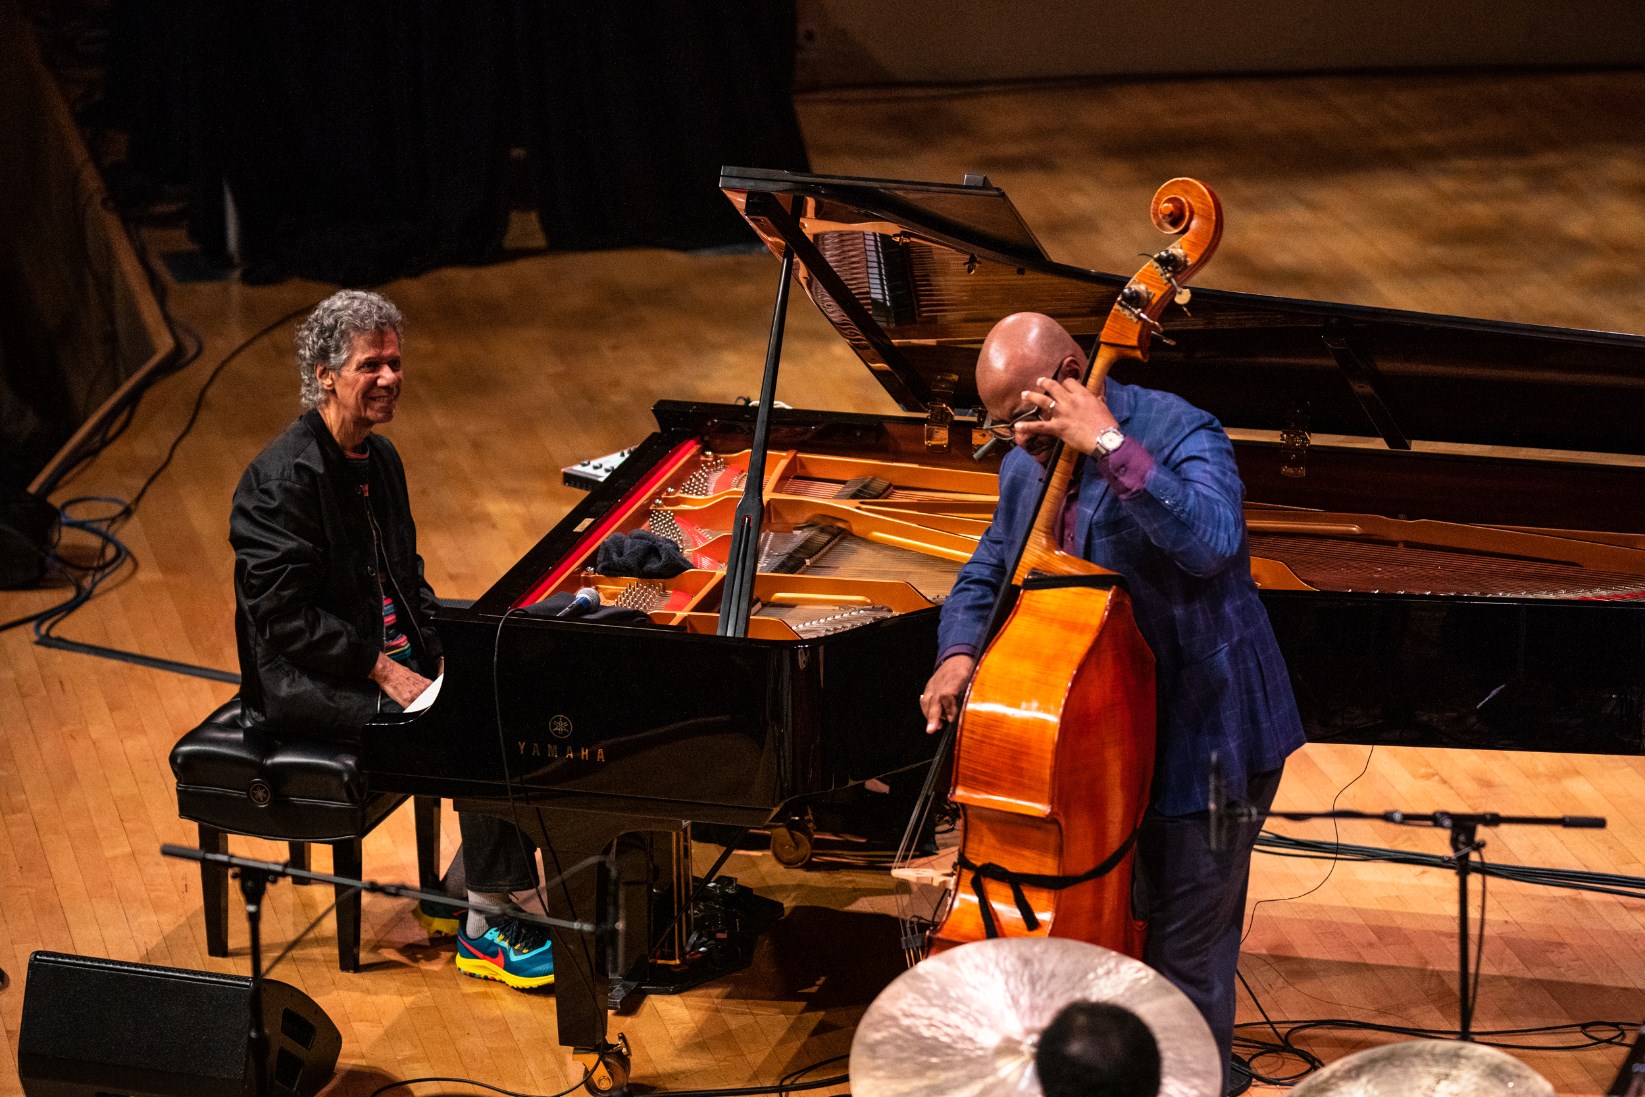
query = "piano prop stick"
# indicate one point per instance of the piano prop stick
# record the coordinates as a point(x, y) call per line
point(1048, 844)
point(738, 599)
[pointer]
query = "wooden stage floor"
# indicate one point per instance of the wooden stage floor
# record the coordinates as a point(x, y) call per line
point(1510, 197)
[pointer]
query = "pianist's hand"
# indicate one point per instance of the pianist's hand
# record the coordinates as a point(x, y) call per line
point(941, 700)
point(401, 683)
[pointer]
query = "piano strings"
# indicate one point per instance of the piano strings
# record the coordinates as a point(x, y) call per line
point(1344, 564)
point(889, 546)
point(827, 546)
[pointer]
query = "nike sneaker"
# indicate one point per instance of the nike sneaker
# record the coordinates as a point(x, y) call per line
point(437, 919)
point(510, 952)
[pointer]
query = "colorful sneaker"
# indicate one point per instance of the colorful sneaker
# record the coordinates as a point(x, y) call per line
point(515, 953)
point(437, 919)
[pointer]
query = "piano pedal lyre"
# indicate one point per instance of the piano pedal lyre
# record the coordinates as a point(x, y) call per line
point(676, 871)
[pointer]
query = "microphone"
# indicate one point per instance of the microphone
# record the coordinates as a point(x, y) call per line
point(582, 602)
point(1219, 819)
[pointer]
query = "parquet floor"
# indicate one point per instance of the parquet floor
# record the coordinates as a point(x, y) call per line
point(1512, 197)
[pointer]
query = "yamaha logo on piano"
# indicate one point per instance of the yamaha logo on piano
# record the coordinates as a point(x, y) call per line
point(560, 727)
point(563, 752)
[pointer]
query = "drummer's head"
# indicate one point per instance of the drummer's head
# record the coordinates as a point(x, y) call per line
point(1097, 1049)
point(1021, 349)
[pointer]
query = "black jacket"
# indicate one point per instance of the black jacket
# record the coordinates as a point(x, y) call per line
point(307, 589)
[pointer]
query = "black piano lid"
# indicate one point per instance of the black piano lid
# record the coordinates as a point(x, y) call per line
point(929, 267)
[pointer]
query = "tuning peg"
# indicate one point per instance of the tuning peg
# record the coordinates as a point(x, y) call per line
point(1135, 297)
point(1169, 261)
point(1159, 328)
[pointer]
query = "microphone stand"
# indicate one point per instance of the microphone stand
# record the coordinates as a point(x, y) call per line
point(253, 883)
point(1465, 842)
point(255, 876)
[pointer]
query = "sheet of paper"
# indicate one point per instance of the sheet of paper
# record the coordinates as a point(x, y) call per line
point(426, 698)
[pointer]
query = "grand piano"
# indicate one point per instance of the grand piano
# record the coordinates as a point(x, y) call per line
point(1446, 519)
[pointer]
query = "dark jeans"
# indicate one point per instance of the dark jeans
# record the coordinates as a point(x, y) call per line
point(1194, 900)
point(497, 855)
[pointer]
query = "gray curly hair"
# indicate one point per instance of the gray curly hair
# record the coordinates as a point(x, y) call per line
point(328, 335)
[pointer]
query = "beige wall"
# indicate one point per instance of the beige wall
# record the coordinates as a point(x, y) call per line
point(856, 42)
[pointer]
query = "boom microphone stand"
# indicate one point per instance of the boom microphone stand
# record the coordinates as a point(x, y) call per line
point(255, 876)
point(1465, 842)
point(252, 886)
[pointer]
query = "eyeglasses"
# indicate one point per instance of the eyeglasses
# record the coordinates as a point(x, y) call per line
point(1003, 430)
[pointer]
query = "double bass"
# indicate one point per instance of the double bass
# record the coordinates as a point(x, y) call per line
point(1055, 741)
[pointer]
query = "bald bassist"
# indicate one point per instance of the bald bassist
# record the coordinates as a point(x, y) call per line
point(1152, 494)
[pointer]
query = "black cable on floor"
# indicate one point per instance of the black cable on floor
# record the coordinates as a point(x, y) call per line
point(1336, 840)
point(1257, 1049)
point(790, 1081)
point(1602, 883)
point(47, 620)
point(478, 1085)
point(112, 557)
point(784, 1086)
point(751, 1091)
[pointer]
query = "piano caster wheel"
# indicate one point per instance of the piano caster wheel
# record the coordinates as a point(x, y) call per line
point(791, 843)
point(607, 1069)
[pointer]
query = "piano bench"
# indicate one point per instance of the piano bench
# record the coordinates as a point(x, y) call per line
point(232, 779)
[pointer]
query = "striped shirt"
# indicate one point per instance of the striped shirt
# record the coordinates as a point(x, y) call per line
point(395, 642)
point(396, 645)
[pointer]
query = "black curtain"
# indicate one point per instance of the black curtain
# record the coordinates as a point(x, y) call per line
point(371, 139)
point(359, 141)
point(634, 108)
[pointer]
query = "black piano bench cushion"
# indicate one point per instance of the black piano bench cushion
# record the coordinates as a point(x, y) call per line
point(245, 781)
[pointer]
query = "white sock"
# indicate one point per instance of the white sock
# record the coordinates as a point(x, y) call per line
point(478, 923)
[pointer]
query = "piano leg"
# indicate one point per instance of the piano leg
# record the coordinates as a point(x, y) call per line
point(611, 885)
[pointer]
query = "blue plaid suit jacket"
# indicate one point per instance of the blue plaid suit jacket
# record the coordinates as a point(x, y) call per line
point(1181, 546)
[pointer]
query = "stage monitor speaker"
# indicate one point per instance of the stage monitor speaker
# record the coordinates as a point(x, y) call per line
point(1630, 1080)
point(28, 533)
point(93, 1026)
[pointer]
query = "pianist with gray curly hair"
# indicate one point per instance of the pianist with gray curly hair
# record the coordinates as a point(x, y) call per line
point(334, 619)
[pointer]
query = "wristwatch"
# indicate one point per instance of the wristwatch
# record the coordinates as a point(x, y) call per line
point(1108, 441)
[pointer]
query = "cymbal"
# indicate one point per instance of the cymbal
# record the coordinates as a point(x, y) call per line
point(965, 1022)
point(1441, 1068)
